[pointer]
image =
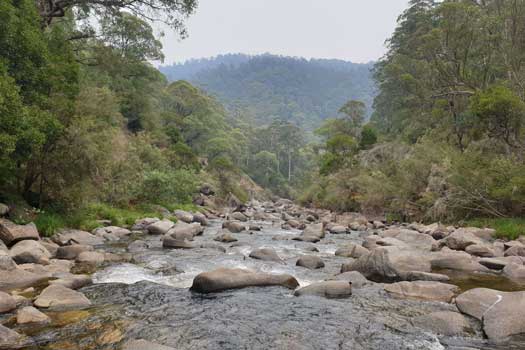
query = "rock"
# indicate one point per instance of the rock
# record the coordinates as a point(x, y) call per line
point(7, 302)
point(6, 262)
point(493, 263)
point(182, 230)
point(174, 243)
point(370, 242)
point(137, 246)
point(234, 226)
point(424, 290)
point(296, 224)
point(457, 261)
point(225, 237)
point(311, 262)
point(18, 278)
point(142, 224)
point(207, 245)
point(351, 250)
point(411, 238)
point(69, 237)
point(238, 216)
point(50, 246)
point(142, 344)
point(29, 314)
point(160, 227)
point(461, 239)
point(266, 254)
point(443, 322)
point(481, 250)
point(94, 258)
point(516, 250)
point(4, 209)
point(10, 339)
point(70, 252)
point(60, 296)
point(30, 252)
point(254, 227)
point(73, 281)
point(10, 233)
point(183, 216)
point(425, 276)
point(327, 289)
point(389, 264)
point(207, 190)
point(312, 233)
point(502, 313)
point(224, 279)
point(200, 218)
point(338, 229)
point(378, 224)
point(111, 231)
point(515, 272)
point(354, 277)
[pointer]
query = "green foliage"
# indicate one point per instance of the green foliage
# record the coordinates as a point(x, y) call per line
point(160, 187)
point(49, 223)
point(505, 228)
point(368, 137)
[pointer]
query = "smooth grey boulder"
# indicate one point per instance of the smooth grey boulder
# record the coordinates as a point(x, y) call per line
point(461, 239)
point(142, 224)
point(443, 322)
point(4, 209)
point(94, 258)
point(457, 261)
point(234, 226)
point(18, 278)
point(238, 216)
point(182, 230)
point(175, 243)
point(311, 262)
point(11, 233)
point(200, 218)
point(351, 250)
point(30, 314)
point(354, 277)
point(30, 252)
point(72, 281)
point(69, 237)
point(481, 250)
point(225, 237)
point(224, 279)
point(160, 227)
point(183, 216)
point(327, 289)
point(70, 252)
point(61, 297)
point(515, 272)
point(266, 254)
point(516, 250)
point(423, 290)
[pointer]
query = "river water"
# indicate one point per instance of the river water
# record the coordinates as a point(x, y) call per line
point(149, 299)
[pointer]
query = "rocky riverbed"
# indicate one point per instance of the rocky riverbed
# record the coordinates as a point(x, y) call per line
point(261, 276)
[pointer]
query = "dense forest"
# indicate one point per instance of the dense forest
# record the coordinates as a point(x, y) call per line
point(450, 115)
point(266, 87)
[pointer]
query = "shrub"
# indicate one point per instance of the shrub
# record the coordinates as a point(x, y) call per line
point(161, 187)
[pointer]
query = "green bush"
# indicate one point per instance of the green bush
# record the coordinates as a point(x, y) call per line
point(49, 223)
point(161, 187)
point(509, 228)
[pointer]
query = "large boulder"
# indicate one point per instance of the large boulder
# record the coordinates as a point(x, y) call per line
point(10, 233)
point(142, 224)
point(225, 237)
point(327, 289)
point(182, 230)
point(183, 216)
point(177, 243)
point(59, 296)
point(461, 239)
point(443, 322)
point(234, 226)
point(389, 264)
point(111, 232)
point(312, 233)
point(266, 254)
point(515, 272)
point(311, 262)
point(160, 227)
point(502, 313)
point(457, 261)
point(516, 250)
point(30, 252)
point(200, 218)
point(355, 278)
point(70, 252)
point(7, 302)
point(238, 216)
point(69, 237)
point(424, 290)
point(93, 258)
point(351, 250)
point(224, 279)
point(72, 281)
point(338, 229)
point(29, 314)
point(12, 277)
point(481, 250)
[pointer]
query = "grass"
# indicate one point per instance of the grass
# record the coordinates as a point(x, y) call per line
point(509, 228)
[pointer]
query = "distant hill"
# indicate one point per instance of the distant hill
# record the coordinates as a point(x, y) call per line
point(267, 86)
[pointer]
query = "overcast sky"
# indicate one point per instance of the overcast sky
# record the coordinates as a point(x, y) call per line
point(353, 30)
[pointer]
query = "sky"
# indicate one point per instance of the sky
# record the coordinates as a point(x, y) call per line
point(353, 30)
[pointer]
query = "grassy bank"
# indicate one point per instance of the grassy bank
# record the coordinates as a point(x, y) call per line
point(508, 228)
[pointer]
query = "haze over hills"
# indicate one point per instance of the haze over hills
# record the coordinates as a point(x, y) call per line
point(302, 91)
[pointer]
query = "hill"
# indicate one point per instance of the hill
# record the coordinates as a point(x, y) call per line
point(301, 91)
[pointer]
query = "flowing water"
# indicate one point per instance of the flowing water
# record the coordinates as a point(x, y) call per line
point(149, 299)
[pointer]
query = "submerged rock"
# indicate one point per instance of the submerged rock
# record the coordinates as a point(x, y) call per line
point(224, 279)
point(327, 289)
point(30, 314)
point(60, 296)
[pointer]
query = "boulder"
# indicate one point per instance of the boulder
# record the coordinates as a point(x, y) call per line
point(517, 250)
point(327, 289)
point(10, 233)
point(370, 242)
point(142, 344)
point(111, 231)
point(515, 272)
point(72, 281)
point(254, 227)
point(69, 237)
point(296, 224)
point(7, 302)
point(461, 239)
point(355, 278)
point(481, 250)
point(224, 279)
point(502, 313)
point(225, 237)
point(338, 229)
point(160, 227)
point(175, 243)
point(443, 322)
point(238, 216)
point(389, 264)
point(70, 252)
point(94, 258)
point(30, 314)
point(493, 263)
point(18, 278)
point(137, 246)
point(183, 216)
point(60, 296)
point(182, 230)
point(200, 218)
point(312, 233)
point(457, 261)
point(424, 290)
point(142, 224)
point(30, 252)
point(351, 250)
point(51, 246)
point(425, 276)
point(311, 262)
point(4, 209)
point(266, 254)
point(234, 226)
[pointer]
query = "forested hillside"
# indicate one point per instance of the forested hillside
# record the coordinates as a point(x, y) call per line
point(450, 115)
point(300, 91)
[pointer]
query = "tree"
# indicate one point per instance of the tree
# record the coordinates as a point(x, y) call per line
point(355, 111)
